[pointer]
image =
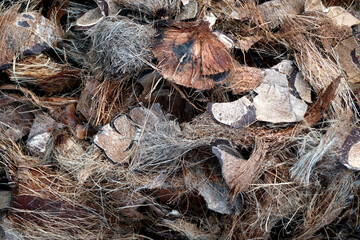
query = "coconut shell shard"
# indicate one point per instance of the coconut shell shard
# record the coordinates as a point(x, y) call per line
point(190, 55)
point(25, 33)
point(349, 153)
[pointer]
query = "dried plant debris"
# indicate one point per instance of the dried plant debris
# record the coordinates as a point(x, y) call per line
point(213, 190)
point(189, 9)
point(157, 8)
point(119, 46)
point(237, 114)
point(238, 172)
point(44, 73)
point(15, 118)
point(117, 139)
point(25, 33)
point(349, 152)
point(244, 79)
point(40, 134)
point(278, 99)
point(348, 51)
point(259, 140)
point(190, 55)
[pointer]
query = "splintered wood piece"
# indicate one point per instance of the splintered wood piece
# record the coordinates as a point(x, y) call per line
point(25, 33)
point(237, 114)
point(349, 153)
point(190, 55)
point(238, 172)
point(117, 139)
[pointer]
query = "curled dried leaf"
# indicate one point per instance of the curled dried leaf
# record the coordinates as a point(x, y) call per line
point(190, 55)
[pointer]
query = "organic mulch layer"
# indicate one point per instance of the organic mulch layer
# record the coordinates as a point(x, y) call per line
point(179, 119)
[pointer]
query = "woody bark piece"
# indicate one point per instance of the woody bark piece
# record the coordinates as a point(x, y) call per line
point(189, 10)
point(190, 55)
point(349, 154)
point(40, 134)
point(25, 33)
point(237, 114)
point(238, 172)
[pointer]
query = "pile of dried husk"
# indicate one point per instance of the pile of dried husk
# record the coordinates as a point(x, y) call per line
point(179, 119)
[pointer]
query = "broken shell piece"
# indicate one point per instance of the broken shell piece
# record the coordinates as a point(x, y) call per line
point(244, 79)
point(25, 33)
point(190, 55)
point(89, 19)
point(237, 114)
point(342, 17)
point(238, 172)
point(226, 40)
point(189, 10)
point(40, 134)
point(214, 191)
point(275, 102)
point(348, 51)
point(116, 139)
point(349, 154)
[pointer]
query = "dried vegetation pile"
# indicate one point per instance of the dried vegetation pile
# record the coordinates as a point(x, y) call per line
point(179, 119)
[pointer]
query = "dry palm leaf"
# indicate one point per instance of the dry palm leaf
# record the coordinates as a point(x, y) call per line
point(190, 55)
point(25, 33)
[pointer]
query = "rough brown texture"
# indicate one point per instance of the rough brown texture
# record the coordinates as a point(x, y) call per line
point(190, 55)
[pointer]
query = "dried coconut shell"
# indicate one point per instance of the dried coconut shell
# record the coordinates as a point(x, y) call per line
point(275, 102)
point(25, 33)
point(40, 134)
point(117, 139)
point(238, 172)
point(44, 73)
point(188, 10)
point(237, 114)
point(341, 17)
point(89, 19)
point(348, 51)
point(190, 55)
point(349, 154)
point(244, 79)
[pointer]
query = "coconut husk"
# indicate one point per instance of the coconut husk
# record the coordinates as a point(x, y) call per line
point(190, 55)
